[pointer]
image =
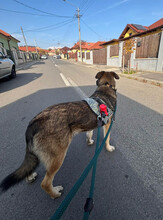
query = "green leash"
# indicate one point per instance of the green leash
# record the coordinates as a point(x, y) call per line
point(63, 206)
point(89, 202)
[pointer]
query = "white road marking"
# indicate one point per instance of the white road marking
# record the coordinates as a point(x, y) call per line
point(69, 82)
point(56, 65)
point(65, 80)
point(78, 90)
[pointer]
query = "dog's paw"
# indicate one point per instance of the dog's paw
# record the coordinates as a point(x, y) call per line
point(31, 178)
point(90, 142)
point(57, 191)
point(110, 148)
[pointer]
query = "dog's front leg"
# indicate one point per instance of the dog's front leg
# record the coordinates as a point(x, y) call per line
point(89, 139)
point(108, 146)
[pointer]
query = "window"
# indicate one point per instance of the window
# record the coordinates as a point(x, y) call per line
point(88, 55)
point(114, 50)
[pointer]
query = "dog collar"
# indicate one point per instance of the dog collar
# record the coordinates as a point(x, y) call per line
point(106, 84)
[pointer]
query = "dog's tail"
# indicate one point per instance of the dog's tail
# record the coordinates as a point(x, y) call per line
point(27, 167)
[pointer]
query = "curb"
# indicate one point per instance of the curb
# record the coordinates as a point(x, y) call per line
point(143, 80)
point(139, 79)
point(26, 65)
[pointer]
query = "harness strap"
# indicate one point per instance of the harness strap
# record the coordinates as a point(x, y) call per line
point(99, 107)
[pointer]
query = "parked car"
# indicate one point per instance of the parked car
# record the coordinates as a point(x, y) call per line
point(44, 57)
point(58, 57)
point(7, 67)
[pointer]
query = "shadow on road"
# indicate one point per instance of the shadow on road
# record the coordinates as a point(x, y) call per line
point(120, 190)
point(21, 79)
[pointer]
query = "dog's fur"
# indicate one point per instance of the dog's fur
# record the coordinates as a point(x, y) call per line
point(49, 135)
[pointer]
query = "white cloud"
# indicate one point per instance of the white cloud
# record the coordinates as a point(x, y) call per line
point(110, 7)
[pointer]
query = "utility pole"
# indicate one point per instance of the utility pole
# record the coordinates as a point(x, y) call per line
point(24, 39)
point(78, 16)
point(79, 34)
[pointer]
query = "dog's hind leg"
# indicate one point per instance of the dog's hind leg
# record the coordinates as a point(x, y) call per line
point(31, 178)
point(108, 146)
point(51, 171)
point(89, 139)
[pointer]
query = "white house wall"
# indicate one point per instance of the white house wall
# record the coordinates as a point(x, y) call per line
point(147, 64)
point(115, 61)
point(89, 61)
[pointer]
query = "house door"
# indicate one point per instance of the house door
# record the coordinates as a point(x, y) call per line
point(126, 58)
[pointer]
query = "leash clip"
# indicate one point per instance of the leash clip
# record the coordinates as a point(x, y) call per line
point(89, 205)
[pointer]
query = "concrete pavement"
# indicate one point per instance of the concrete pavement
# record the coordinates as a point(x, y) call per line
point(127, 184)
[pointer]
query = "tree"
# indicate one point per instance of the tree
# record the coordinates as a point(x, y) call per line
point(129, 47)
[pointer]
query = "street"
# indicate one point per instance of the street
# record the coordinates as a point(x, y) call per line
point(129, 181)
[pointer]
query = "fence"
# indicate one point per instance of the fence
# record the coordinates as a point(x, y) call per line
point(148, 46)
point(19, 57)
point(100, 56)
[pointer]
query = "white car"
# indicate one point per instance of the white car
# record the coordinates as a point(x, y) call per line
point(44, 57)
point(7, 67)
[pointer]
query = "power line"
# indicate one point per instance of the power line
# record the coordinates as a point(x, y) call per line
point(28, 6)
point(68, 29)
point(58, 26)
point(61, 24)
point(82, 4)
point(87, 7)
point(20, 12)
point(91, 29)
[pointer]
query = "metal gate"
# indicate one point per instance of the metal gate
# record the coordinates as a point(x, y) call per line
point(100, 56)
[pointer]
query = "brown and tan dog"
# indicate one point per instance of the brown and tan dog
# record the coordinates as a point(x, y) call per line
point(49, 135)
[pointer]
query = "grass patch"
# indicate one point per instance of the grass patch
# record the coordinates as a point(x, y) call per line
point(129, 72)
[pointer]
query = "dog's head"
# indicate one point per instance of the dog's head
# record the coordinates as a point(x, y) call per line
point(106, 78)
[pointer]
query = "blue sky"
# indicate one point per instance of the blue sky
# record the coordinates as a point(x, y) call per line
point(101, 19)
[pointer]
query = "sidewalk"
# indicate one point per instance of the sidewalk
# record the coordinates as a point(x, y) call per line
point(25, 65)
point(153, 78)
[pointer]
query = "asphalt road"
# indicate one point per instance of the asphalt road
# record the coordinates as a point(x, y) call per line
point(129, 181)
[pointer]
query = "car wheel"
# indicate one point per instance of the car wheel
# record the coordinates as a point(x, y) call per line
point(13, 72)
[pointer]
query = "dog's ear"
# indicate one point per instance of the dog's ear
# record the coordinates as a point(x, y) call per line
point(99, 74)
point(114, 75)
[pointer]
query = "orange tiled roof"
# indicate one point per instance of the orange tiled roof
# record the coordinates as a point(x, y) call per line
point(7, 35)
point(96, 45)
point(140, 28)
point(84, 45)
point(30, 48)
point(156, 24)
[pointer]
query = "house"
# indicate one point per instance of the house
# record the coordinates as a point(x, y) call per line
point(28, 53)
point(85, 46)
point(51, 52)
point(98, 53)
point(9, 45)
point(32, 49)
point(7, 42)
point(74, 50)
point(64, 52)
point(147, 53)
